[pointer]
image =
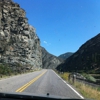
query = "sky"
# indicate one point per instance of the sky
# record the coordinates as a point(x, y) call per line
point(63, 25)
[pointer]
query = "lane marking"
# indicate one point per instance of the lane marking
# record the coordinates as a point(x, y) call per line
point(29, 83)
point(70, 86)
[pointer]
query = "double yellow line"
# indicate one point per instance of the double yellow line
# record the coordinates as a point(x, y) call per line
point(29, 83)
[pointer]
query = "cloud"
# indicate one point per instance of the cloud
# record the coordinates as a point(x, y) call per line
point(45, 42)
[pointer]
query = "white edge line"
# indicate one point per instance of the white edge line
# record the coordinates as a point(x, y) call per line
point(70, 86)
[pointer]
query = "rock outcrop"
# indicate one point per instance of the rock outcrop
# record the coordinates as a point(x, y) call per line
point(19, 43)
point(86, 59)
point(49, 60)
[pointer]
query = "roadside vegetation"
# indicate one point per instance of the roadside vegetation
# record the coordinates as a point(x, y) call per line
point(6, 71)
point(86, 90)
point(89, 77)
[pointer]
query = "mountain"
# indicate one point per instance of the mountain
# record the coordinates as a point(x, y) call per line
point(49, 60)
point(65, 55)
point(86, 59)
point(19, 44)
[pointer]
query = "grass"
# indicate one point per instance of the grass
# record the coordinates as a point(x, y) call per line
point(12, 74)
point(64, 76)
point(3, 76)
point(87, 91)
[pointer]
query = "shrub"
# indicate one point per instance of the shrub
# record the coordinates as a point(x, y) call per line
point(5, 69)
point(89, 77)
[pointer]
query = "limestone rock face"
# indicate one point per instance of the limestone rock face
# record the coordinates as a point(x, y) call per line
point(19, 43)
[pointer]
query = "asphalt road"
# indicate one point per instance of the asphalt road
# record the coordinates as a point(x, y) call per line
point(39, 82)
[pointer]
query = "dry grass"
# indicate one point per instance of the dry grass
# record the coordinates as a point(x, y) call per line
point(64, 76)
point(87, 91)
point(13, 74)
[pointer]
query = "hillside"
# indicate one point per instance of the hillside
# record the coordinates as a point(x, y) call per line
point(65, 55)
point(86, 59)
point(49, 60)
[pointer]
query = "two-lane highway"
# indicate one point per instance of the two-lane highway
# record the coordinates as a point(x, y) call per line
point(39, 82)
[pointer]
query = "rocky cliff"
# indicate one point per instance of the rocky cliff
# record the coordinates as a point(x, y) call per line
point(49, 60)
point(86, 59)
point(19, 43)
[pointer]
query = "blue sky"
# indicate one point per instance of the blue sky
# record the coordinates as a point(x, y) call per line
point(63, 25)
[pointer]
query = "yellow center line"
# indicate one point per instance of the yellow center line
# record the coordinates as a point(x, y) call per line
point(29, 83)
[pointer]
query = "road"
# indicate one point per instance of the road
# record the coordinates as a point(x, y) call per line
point(39, 82)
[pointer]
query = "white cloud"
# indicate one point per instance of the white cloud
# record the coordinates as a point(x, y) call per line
point(45, 42)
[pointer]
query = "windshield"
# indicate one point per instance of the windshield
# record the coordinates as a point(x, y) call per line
point(50, 48)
